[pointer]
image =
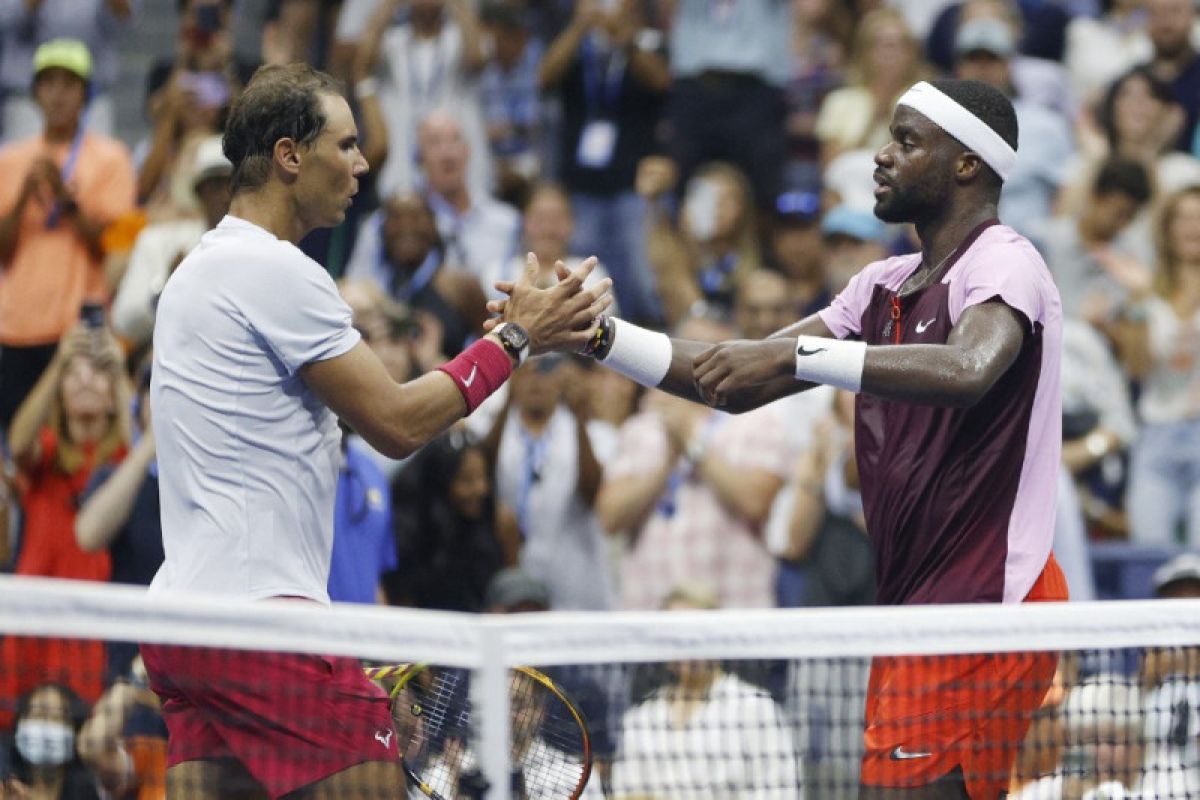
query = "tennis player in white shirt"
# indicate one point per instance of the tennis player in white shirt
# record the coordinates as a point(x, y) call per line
point(254, 358)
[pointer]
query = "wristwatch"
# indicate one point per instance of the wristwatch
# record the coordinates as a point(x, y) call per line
point(514, 339)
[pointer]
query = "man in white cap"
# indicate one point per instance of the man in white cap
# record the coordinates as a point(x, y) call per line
point(954, 355)
point(162, 245)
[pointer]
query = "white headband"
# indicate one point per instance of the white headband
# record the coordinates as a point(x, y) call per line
point(955, 120)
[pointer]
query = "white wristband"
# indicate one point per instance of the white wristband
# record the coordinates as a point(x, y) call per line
point(830, 361)
point(642, 356)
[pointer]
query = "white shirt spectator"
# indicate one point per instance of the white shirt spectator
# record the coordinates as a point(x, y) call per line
point(475, 237)
point(1171, 392)
point(1171, 761)
point(1101, 50)
point(154, 253)
point(734, 745)
point(565, 546)
point(416, 77)
point(248, 455)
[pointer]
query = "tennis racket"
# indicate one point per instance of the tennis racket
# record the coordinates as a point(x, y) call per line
point(551, 755)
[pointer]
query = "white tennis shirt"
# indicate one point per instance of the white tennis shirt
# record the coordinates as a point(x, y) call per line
point(247, 454)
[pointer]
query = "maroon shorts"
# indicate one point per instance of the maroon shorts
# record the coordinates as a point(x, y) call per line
point(290, 719)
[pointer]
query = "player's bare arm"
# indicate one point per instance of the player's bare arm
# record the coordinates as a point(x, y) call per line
point(982, 346)
point(658, 361)
point(397, 419)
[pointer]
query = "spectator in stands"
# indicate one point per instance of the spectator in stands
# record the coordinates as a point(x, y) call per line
point(402, 252)
point(983, 49)
point(596, 689)
point(885, 61)
point(26, 25)
point(63, 188)
point(430, 62)
point(1170, 680)
point(548, 222)
point(162, 245)
point(821, 35)
point(44, 759)
point(727, 100)
point(1100, 49)
point(364, 544)
point(1098, 428)
point(827, 557)
point(1101, 748)
point(451, 536)
point(119, 516)
point(1164, 489)
point(694, 735)
point(798, 252)
point(610, 77)
point(853, 237)
point(298, 30)
point(1095, 266)
point(508, 88)
point(701, 263)
point(475, 229)
point(187, 96)
point(1138, 118)
point(1036, 79)
point(124, 741)
point(75, 420)
point(1169, 24)
point(692, 487)
point(548, 455)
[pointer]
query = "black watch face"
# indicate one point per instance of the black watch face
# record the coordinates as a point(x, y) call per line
point(516, 336)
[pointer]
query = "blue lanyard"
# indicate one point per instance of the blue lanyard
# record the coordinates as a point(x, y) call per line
point(442, 208)
point(422, 96)
point(69, 166)
point(668, 503)
point(614, 76)
point(535, 457)
point(420, 279)
point(714, 276)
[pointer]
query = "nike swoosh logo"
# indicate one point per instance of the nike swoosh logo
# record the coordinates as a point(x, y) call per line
point(800, 351)
point(921, 326)
point(900, 754)
point(471, 378)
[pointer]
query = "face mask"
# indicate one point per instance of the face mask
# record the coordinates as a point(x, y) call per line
point(45, 743)
point(700, 207)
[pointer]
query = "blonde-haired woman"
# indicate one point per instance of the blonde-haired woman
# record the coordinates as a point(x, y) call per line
point(715, 246)
point(76, 418)
point(1164, 490)
point(884, 61)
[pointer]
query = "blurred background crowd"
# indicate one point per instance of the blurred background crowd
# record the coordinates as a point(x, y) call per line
point(716, 155)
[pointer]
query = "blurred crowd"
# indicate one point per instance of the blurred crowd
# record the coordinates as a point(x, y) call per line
point(716, 155)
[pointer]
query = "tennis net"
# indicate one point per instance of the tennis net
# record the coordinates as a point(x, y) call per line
point(1071, 701)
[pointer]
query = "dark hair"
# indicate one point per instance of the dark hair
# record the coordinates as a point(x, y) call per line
point(1125, 176)
point(984, 101)
point(987, 103)
point(445, 559)
point(280, 102)
point(1106, 115)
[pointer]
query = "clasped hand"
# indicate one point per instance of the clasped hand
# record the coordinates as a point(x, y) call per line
point(726, 369)
point(559, 317)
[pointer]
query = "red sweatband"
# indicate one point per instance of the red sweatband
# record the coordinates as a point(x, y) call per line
point(478, 371)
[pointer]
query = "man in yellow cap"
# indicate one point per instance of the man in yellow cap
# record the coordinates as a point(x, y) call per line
point(61, 188)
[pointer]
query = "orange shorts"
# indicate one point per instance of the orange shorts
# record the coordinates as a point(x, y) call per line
point(927, 715)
